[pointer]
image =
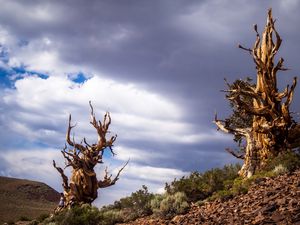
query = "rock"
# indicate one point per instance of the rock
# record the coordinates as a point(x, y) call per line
point(268, 201)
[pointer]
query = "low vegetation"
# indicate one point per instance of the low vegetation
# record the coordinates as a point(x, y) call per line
point(197, 188)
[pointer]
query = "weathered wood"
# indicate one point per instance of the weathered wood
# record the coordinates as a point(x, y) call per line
point(83, 185)
point(272, 128)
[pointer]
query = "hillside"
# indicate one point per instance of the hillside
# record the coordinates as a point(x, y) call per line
point(25, 198)
point(268, 201)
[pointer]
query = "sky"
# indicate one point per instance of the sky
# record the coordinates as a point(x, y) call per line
point(156, 66)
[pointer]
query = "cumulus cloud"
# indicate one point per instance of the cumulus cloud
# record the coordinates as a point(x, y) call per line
point(43, 106)
point(35, 164)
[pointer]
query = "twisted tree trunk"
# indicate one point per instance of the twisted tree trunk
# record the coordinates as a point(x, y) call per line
point(272, 131)
point(83, 186)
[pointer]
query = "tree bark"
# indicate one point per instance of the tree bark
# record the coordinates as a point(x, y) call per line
point(272, 125)
point(83, 186)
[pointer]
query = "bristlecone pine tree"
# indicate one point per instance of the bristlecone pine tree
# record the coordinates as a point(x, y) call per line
point(83, 157)
point(270, 129)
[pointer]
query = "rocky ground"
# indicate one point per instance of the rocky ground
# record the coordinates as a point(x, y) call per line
point(269, 201)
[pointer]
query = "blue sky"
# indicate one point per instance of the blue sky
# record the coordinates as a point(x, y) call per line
point(156, 66)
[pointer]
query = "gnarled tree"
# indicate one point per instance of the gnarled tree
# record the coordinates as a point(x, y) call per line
point(83, 157)
point(261, 113)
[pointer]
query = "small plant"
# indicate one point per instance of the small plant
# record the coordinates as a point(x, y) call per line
point(79, 215)
point(199, 186)
point(171, 205)
point(137, 205)
point(280, 169)
point(155, 203)
point(110, 217)
point(290, 160)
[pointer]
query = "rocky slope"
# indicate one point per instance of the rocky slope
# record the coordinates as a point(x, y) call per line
point(268, 201)
point(23, 198)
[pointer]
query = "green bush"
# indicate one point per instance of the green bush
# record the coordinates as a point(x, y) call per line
point(110, 217)
point(137, 205)
point(155, 203)
point(170, 205)
point(290, 160)
point(79, 215)
point(280, 169)
point(199, 186)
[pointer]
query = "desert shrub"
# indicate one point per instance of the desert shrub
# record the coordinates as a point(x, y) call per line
point(170, 205)
point(280, 169)
point(237, 186)
point(141, 201)
point(199, 186)
point(128, 215)
point(110, 217)
point(290, 160)
point(225, 183)
point(241, 185)
point(79, 215)
point(155, 203)
point(138, 204)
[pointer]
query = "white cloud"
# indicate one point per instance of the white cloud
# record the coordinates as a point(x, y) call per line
point(136, 114)
point(124, 153)
point(34, 164)
point(154, 174)
point(40, 55)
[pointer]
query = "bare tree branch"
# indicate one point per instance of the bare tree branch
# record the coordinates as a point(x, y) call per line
point(107, 181)
point(232, 152)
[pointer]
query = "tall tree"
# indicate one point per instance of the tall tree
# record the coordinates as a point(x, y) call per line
point(83, 157)
point(261, 113)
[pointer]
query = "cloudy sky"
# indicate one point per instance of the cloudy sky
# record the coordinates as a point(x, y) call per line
point(156, 66)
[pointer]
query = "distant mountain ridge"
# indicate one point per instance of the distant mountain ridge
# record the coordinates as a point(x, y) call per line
point(25, 198)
